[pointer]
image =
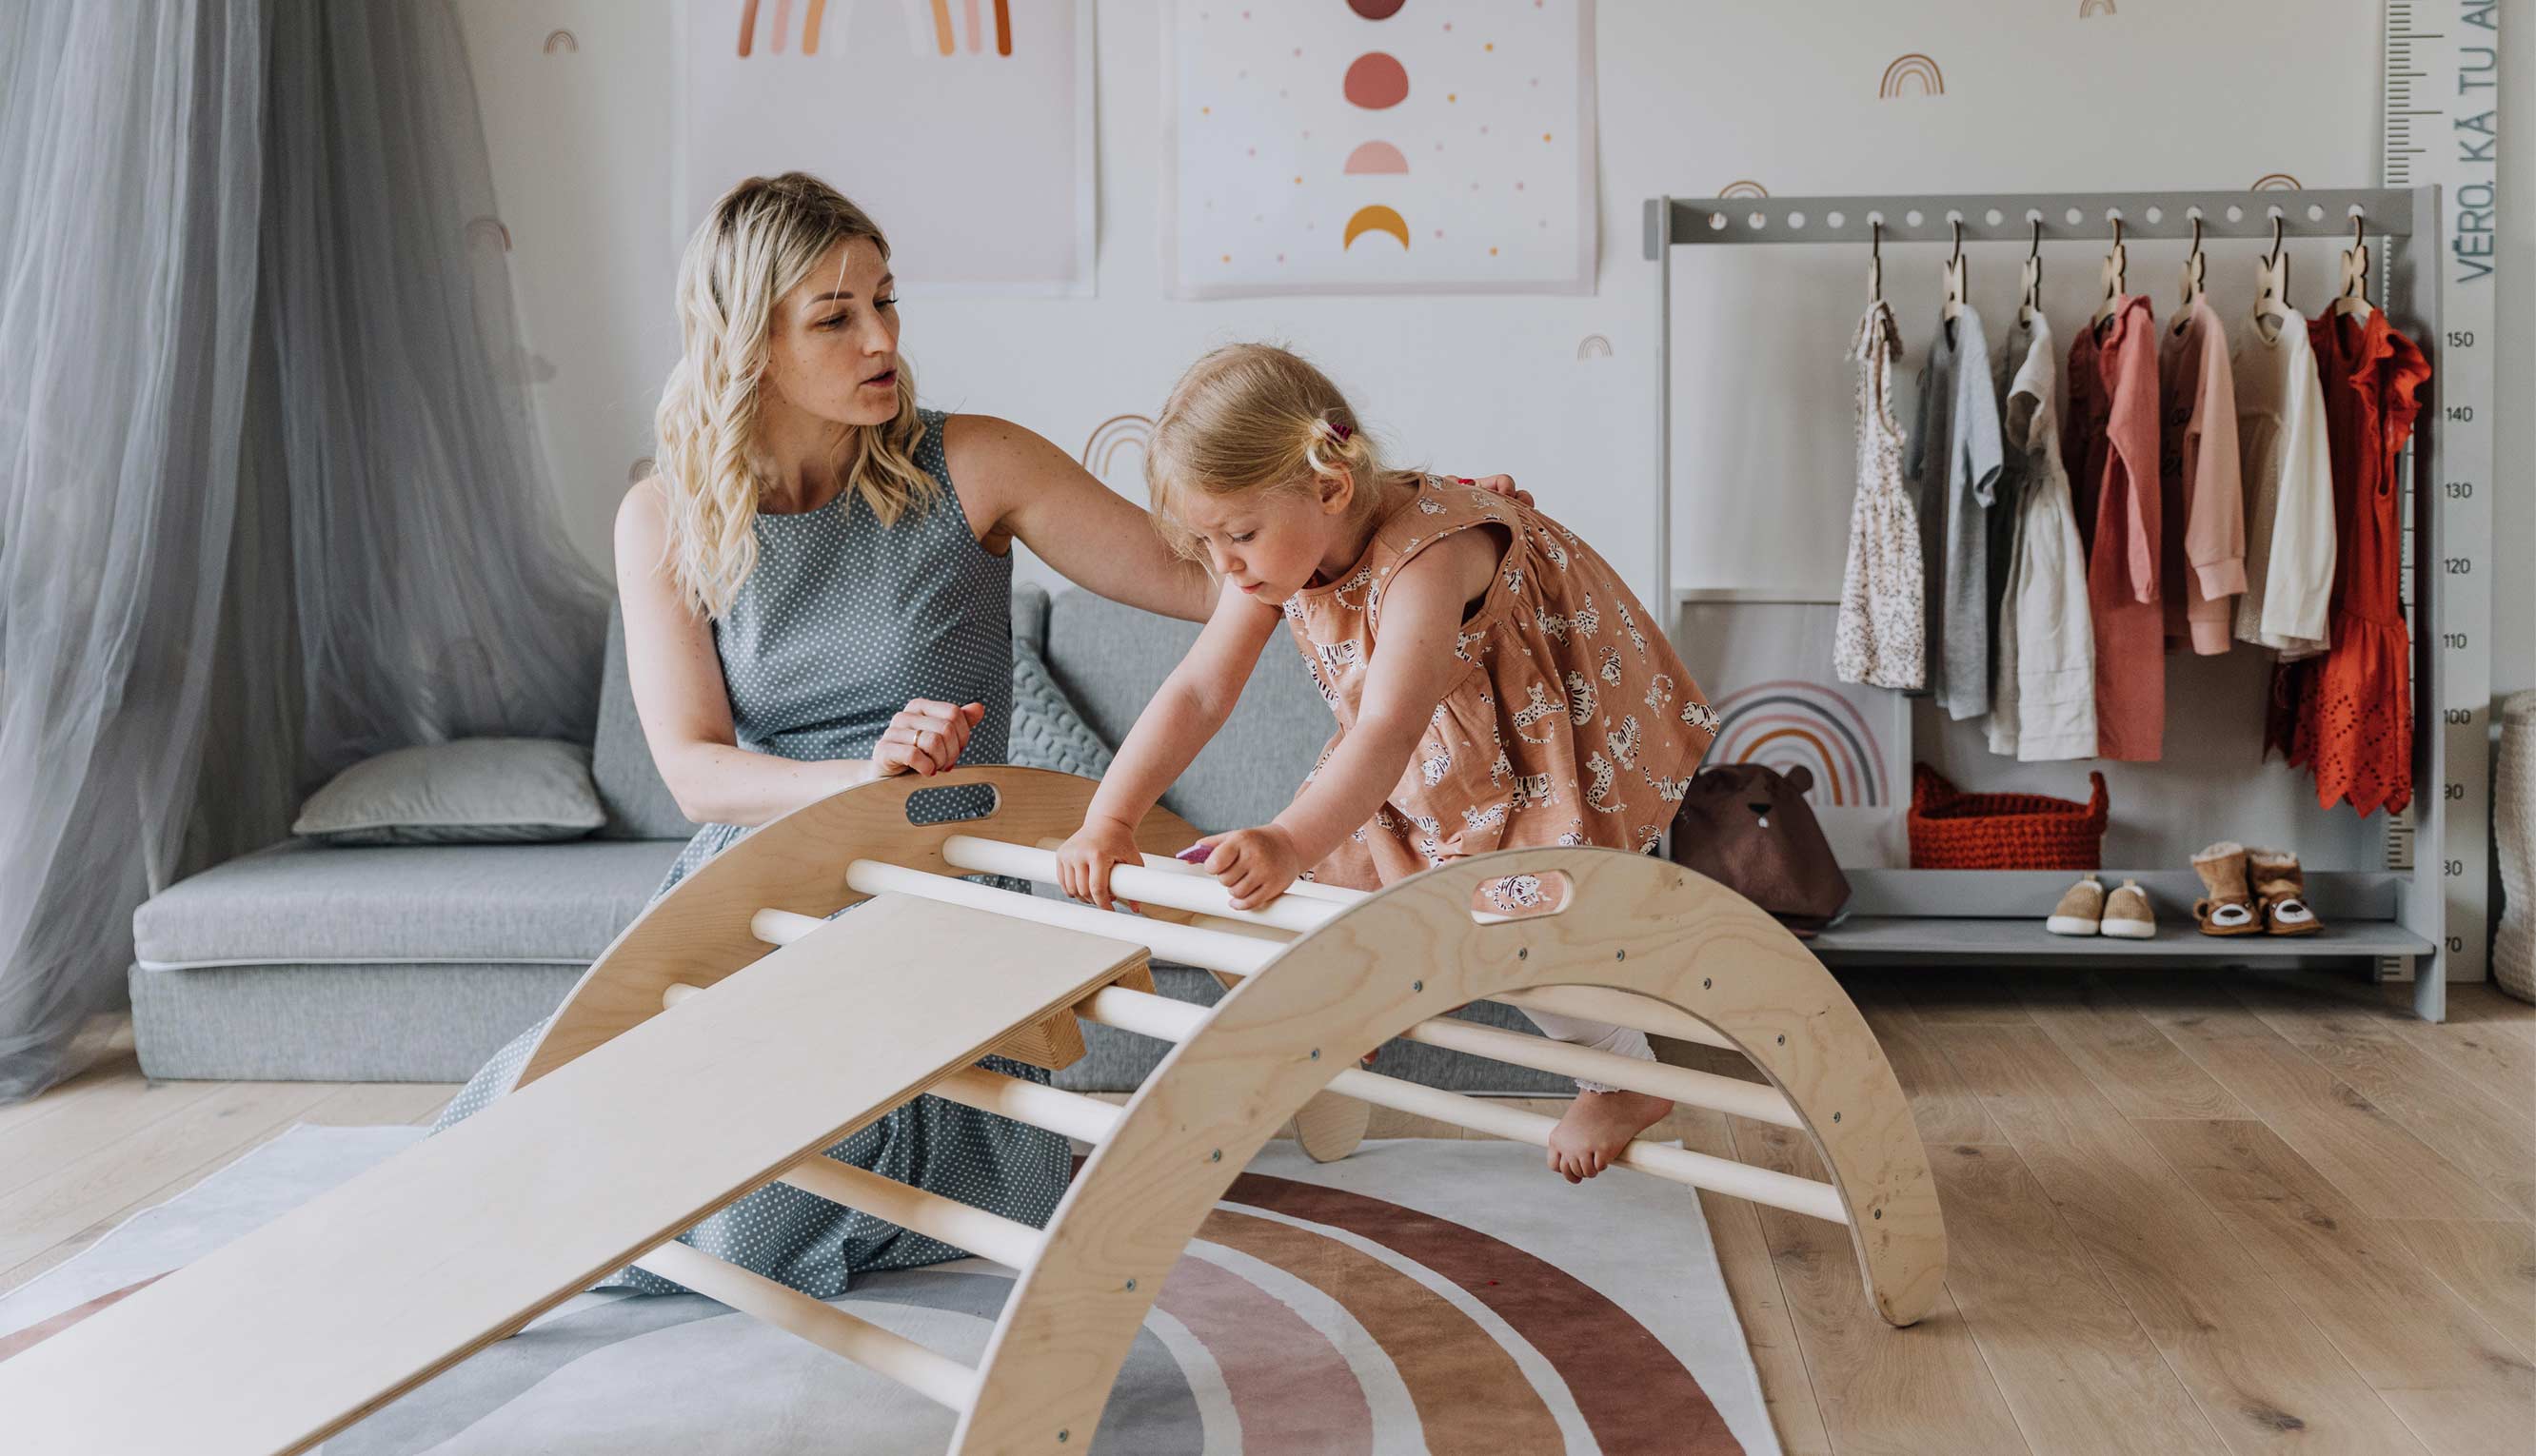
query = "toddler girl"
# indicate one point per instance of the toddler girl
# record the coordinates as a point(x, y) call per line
point(1495, 685)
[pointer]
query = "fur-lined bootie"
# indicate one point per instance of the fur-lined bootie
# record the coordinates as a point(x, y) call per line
point(2228, 907)
point(2280, 892)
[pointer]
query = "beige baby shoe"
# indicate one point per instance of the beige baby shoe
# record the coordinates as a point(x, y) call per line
point(2280, 890)
point(2128, 912)
point(2081, 909)
point(2227, 907)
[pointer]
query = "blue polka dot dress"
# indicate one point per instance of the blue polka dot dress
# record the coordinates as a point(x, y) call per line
point(841, 622)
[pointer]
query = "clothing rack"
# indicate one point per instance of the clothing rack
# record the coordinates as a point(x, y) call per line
point(2394, 916)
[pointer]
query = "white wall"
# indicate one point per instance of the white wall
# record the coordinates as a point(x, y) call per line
point(1693, 97)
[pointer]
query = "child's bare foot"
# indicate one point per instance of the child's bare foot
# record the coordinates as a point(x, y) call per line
point(1598, 1125)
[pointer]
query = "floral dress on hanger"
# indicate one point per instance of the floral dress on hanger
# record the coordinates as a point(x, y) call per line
point(1882, 636)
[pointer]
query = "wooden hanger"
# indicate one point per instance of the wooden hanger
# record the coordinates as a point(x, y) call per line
point(2115, 263)
point(2355, 275)
point(2029, 282)
point(2195, 269)
point(2273, 311)
point(1875, 287)
point(1956, 291)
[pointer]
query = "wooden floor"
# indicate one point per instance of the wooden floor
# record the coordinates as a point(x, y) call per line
point(2187, 1214)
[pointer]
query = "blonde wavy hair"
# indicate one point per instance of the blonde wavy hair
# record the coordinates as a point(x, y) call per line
point(1251, 418)
point(763, 237)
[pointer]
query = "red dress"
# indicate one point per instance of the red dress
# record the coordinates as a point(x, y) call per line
point(2349, 714)
point(2109, 444)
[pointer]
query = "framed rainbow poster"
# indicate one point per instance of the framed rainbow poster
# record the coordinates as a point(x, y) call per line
point(1765, 665)
point(964, 127)
point(1377, 147)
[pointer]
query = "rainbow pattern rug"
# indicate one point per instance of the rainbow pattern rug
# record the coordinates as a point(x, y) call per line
point(1421, 1296)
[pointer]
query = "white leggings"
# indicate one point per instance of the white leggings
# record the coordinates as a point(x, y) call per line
point(1602, 1035)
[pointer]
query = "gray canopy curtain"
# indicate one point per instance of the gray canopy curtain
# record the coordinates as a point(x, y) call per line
point(270, 495)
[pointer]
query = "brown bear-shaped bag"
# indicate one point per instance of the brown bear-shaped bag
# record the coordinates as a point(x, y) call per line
point(1748, 827)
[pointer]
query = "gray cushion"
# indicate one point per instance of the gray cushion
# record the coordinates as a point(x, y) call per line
point(1030, 615)
point(305, 901)
point(391, 1022)
point(472, 790)
point(1048, 732)
point(1110, 660)
point(639, 805)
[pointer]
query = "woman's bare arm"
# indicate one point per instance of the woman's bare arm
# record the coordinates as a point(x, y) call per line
point(1016, 484)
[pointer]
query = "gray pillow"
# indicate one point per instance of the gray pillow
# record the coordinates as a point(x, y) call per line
point(1048, 732)
point(473, 790)
point(639, 805)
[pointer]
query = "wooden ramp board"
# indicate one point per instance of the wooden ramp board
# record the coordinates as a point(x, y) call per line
point(298, 1329)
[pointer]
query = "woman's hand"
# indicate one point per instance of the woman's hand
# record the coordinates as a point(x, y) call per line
point(1084, 862)
point(1255, 864)
point(1498, 486)
point(925, 738)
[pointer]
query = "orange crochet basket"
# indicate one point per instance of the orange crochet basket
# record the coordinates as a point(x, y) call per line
point(1955, 830)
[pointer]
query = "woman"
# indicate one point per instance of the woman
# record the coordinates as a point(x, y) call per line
point(804, 577)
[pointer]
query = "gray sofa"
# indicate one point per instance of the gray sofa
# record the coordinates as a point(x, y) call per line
point(313, 962)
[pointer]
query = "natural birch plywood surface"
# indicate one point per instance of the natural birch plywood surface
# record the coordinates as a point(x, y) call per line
point(404, 1271)
point(1402, 955)
point(797, 864)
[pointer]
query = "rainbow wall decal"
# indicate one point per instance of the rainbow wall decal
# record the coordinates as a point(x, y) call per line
point(1108, 437)
point(488, 229)
point(1910, 73)
point(1780, 725)
point(1592, 347)
point(780, 25)
point(564, 41)
point(2087, 8)
point(1374, 219)
point(640, 471)
point(2276, 182)
point(1744, 188)
point(934, 29)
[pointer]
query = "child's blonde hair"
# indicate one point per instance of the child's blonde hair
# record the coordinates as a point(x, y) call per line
point(1254, 417)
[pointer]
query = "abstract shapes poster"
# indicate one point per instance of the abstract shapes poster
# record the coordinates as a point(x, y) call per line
point(963, 127)
point(1377, 147)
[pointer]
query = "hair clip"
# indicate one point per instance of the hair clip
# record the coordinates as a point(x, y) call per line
point(1342, 431)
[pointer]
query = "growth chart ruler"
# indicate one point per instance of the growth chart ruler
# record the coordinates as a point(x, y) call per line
point(2441, 124)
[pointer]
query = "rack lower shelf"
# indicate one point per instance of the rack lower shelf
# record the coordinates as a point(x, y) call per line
point(1862, 938)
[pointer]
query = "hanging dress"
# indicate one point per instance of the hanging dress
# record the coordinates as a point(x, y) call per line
point(1881, 639)
point(2110, 452)
point(2352, 719)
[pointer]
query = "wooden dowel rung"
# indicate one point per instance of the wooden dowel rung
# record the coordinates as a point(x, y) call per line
point(1190, 946)
point(1299, 889)
point(1758, 1100)
point(781, 927)
point(1698, 1170)
point(990, 1236)
point(1054, 1109)
point(935, 1376)
point(1201, 893)
point(1620, 1008)
point(1142, 1012)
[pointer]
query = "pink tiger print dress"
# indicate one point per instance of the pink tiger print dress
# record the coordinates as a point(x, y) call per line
point(1573, 723)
